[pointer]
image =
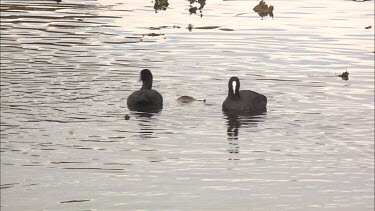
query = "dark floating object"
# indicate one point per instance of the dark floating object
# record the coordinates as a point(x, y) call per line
point(164, 27)
point(263, 9)
point(188, 99)
point(244, 100)
point(190, 27)
point(207, 27)
point(154, 34)
point(127, 117)
point(74, 201)
point(368, 27)
point(146, 99)
point(160, 5)
point(344, 76)
point(193, 10)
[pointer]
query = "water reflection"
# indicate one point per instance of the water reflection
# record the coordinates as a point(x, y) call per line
point(160, 5)
point(193, 9)
point(236, 120)
point(144, 121)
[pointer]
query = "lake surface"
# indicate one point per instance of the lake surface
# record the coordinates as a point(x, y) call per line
point(67, 69)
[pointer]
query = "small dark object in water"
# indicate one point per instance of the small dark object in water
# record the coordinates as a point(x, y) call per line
point(244, 100)
point(145, 99)
point(161, 5)
point(263, 9)
point(344, 76)
point(154, 34)
point(368, 27)
point(188, 99)
point(190, 27)
point(193, 10)
point(127, 117)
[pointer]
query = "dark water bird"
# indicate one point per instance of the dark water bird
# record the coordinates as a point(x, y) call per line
point(145, 99)
point(344, 76)
point(188, 99)
point(244, 100)
point(368, 27)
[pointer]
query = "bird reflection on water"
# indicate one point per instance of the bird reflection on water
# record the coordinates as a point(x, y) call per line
point(236, 120)
point(193, 9)
point(144, 120)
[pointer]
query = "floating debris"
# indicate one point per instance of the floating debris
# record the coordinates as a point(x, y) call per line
point(161, 5)
point(75, 201)
point(193, 10)
point(263, 9)
point(190, 27)
point(226, 29)
point(344, 76)
point(207, 27)
point(164, 27)
point(154, 34)
point(188, 99)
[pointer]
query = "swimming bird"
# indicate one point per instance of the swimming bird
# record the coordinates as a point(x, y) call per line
point(145, 99)
point(244, 100)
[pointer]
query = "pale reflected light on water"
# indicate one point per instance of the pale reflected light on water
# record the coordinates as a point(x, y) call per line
point(67, 69)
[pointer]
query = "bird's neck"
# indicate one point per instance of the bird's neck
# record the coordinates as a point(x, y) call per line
point(234, 96)
point(147, 85)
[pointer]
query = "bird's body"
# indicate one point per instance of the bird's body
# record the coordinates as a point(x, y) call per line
point(145, 99)
point(244, 100)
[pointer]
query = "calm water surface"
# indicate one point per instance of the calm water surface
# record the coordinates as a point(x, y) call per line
point(67, 69)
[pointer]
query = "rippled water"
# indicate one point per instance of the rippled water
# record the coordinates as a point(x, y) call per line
point(67, 69)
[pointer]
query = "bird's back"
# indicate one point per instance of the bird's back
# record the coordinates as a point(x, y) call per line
point(145, 98)
point(249, 101)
